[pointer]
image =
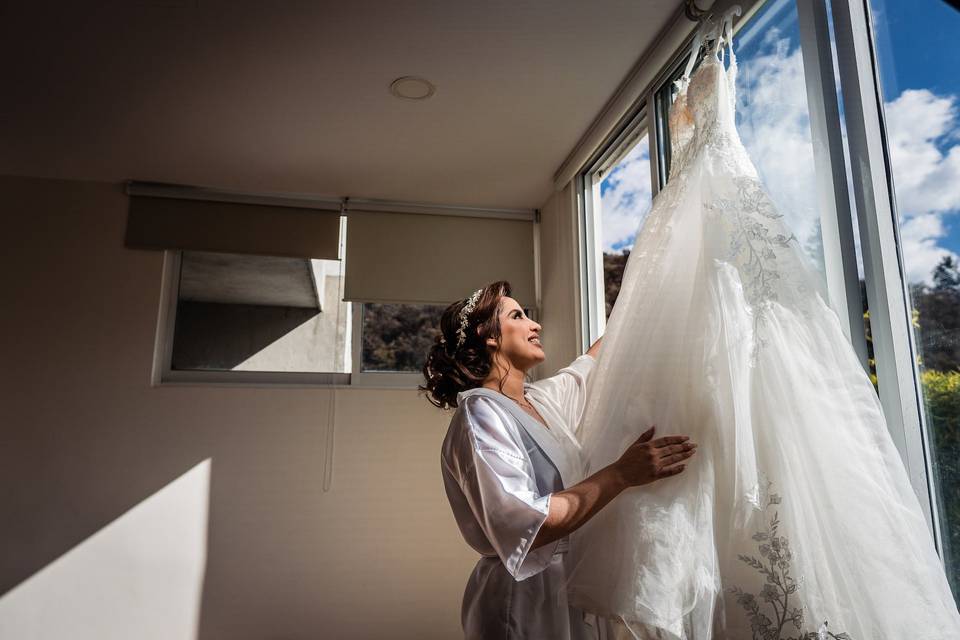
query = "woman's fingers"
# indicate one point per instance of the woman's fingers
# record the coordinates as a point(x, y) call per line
point(676, 448)
point(670, 471)
point(666, 441)
point(676, 457)
point(647, 460)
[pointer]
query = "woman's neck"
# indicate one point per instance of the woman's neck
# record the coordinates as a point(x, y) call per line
point(512, 382)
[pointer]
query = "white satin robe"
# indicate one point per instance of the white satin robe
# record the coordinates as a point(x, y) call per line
point(499, 467)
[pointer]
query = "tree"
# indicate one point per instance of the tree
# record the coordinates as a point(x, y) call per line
point(946, 275)
point(938, 308)
point(613, 265)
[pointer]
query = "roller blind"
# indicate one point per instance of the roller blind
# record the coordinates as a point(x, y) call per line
point(404, 257)
point(227, 227)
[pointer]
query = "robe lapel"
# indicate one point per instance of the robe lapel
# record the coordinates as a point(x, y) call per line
point(537, 432)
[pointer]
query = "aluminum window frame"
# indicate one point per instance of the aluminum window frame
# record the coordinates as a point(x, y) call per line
point(635, 125)
point(163, 374)
point(894, 343)
point(872, 190)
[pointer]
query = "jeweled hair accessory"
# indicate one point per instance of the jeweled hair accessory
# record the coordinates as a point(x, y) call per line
point(464, 312)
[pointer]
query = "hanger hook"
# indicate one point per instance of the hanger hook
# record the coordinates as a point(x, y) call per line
point(693, 12)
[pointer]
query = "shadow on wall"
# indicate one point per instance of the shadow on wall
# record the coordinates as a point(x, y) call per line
point(183, 512)
point(202, 344)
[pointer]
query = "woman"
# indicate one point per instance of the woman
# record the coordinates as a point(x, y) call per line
point(512, 469)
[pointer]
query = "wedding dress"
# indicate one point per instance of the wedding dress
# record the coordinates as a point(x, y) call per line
point(796, 518)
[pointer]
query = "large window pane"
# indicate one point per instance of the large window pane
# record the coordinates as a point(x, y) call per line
point(921, 93)
point(774, 121)
point(772, 118)
point(625, 199)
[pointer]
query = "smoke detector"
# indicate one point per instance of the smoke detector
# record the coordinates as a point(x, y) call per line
point(412, 88)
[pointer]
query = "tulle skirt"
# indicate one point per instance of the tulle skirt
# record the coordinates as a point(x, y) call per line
point(796, 515)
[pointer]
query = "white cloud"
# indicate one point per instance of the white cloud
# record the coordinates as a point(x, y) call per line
point(918, 239)
point(924, 139)
point(627, 199)
point(923, 130)
point(774, 125)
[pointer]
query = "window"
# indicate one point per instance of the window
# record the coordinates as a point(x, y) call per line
point(619, 191)
point(243, 318)
point(625, 198)
point(773, 118)
point(921, 99)
point(774, 122)
point(253, 316)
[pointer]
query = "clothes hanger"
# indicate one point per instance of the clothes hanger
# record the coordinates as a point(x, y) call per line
point(708, 33)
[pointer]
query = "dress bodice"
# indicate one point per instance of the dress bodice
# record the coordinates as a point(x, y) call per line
point(704, 105)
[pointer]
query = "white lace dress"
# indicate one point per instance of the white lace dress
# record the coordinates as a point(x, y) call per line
point(796, 519)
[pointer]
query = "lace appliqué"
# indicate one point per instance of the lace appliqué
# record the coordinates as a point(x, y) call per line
point(753, 247)
point(774, 565)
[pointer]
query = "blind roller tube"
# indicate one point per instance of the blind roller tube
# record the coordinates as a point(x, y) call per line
point(228, 227)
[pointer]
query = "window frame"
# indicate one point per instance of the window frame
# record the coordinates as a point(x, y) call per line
point(635, 125)
point(374, 379)
point(894, 344)
point(164, 374)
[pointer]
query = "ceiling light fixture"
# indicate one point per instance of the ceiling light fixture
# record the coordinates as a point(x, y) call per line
point(412, 88)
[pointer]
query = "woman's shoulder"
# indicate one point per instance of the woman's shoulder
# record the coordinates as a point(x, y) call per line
point(476, 408)
point(482, 419)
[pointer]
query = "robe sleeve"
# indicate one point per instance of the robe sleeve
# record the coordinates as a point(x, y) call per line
point(568, 389)
point(501, 488)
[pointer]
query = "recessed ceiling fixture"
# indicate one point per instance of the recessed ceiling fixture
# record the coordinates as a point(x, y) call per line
point(412, 88)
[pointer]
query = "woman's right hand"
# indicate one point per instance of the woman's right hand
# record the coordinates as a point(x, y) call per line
point(644, 461)
point(647, 460)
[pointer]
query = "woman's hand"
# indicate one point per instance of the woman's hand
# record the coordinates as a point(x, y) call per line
point(647, 460)
point(644, 461)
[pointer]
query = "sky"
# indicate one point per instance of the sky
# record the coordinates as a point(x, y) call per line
point(920, 74)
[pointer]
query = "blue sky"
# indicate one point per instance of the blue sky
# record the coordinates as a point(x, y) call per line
point(919, 51)
point(920, 73)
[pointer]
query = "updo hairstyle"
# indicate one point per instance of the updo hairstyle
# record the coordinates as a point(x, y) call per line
point(448, 370)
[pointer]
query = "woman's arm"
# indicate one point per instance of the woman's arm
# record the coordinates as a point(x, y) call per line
point(643, 462)
point(594, 348)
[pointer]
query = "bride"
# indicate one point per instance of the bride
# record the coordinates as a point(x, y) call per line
point(797, 519)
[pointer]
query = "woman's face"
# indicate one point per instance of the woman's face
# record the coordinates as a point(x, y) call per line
point(519, 336)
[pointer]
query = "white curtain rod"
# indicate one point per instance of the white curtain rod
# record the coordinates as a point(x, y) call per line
point(308, 201)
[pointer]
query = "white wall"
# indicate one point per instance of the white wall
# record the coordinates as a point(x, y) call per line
point(132, 511)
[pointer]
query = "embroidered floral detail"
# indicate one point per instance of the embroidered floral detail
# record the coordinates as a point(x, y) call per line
point(753, 247)
point(774, 565)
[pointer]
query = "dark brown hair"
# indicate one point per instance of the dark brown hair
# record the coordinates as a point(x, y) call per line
point(448, 370)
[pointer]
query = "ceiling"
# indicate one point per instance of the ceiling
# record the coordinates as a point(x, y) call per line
point(292, 96)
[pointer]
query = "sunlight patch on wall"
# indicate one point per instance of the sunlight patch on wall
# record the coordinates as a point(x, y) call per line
point(141, 576)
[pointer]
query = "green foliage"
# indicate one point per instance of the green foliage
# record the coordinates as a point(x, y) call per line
point(938, 311)
point(941, 391)
point(397, 337)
